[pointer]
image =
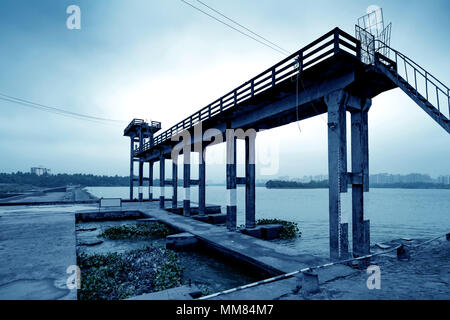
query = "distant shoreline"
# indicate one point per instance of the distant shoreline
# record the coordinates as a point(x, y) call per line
point(277, 184)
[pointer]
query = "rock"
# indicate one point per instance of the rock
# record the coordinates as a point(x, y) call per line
point(90, 244)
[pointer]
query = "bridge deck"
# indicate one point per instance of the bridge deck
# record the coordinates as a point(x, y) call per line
point(271, 99)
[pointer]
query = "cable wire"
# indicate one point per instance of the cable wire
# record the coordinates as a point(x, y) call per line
point(236, 29)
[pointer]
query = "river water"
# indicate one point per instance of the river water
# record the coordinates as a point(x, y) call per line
point(393, 213)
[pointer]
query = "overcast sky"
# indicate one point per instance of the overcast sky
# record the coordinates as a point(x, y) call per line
point(163, 60)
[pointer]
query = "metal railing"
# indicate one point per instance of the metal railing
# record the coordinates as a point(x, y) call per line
point(423, 82)
point(334, 42)
point(135, 122)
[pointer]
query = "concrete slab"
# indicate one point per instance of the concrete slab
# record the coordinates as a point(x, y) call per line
point(181, 241)
point(267, 257)
point(178, 293)
point(37, 245)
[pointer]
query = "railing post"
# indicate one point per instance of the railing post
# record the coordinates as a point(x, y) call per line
point(300, 61)
point(273, 77)
point(437, 98)
point(426, 84)
point(336, 40)
point(235, 97)
point(252, 87)
point(358, 49)
point(221, 104)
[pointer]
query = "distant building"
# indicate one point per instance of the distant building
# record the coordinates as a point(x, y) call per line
point(444, 179)
point(40, 171)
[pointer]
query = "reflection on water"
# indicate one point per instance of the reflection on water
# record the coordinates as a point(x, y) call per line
point(393, 213)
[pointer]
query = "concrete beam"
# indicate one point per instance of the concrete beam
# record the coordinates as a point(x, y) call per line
point(202, 182)
point(231, 181)
point(141, 180)
point(359, 165)
point(150, 180)
point(162, 180)
point(187, 183)
point(250, 193)
point(337, 165)
point(175, 182)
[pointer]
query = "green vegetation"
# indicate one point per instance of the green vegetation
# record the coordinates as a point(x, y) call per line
point(115, 276)
point(278, 184)
point(290, 229)
point(57, 180)
point(136, 231)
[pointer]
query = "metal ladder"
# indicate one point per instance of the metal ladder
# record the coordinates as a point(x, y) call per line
point(422, 87)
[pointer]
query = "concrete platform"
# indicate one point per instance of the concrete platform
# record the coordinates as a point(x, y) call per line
point(37, 245)
point(181, 241)
point(178, 293)
point(267, 257)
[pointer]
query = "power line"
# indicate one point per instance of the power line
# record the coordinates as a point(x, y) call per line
point(58, 111)
point(230, 26)
point(252, 32)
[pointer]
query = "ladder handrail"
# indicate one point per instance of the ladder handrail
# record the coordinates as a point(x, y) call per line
point(439, 86)
point(412, 63)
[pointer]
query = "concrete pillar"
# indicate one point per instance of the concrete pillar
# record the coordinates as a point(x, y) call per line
point(337, 166)
point(187, 182)
point(162, 181)
point(150, 181)
point(202, 182)
point(131, 166)
point(250, 221)
point(360, 228)
point(175, 182)
point(141, 181)
point(231, 180)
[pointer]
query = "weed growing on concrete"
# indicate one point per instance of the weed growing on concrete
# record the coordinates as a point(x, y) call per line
point(136, 231)
point(115, 276)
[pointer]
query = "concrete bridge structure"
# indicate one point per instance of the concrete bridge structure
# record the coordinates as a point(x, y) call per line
point(327, 76)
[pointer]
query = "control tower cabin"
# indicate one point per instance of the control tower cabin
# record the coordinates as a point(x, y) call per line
point(140, 132)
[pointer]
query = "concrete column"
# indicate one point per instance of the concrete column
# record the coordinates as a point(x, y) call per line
point(202, 182)
point(131, 167)
point(150, 181)
point(175, 182)
point(231, 181)
point(361, 242)
point(337, 166)
point(250, 221)
point(187, 182)
point(162, 181)
point(141, 180)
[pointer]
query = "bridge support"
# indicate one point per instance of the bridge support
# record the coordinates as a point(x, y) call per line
point(150, 181)
point(360, 181)
point(187, 181)
point(231, 180)
point(202, 182)
point(250, 221)
point(162, 181)
point(175, 182)
point(131, 166)
point(141, 180)
point(337, 167)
